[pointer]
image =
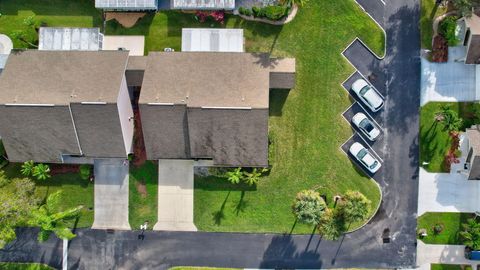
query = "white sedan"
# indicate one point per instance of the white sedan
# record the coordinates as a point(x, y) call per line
point(362, 122)
point(363, 156)
point(368, 95)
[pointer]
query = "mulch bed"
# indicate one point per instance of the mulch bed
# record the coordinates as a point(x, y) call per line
point(63, 168)
point(139, 153)
point(440, 50)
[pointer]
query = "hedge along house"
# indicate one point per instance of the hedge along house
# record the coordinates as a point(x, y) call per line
point(65, 106)
point(210, 105)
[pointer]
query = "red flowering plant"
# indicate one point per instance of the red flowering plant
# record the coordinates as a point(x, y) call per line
point(217, 16)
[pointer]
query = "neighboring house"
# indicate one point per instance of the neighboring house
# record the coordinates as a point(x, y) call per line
point(87, 39)
point(203, 4)
point(127, 5)
point(472, 163)
point(6, 46)
point(69, 39)
point(212, 40)
point(196, 105)
point(468, 33)
point(58, 105)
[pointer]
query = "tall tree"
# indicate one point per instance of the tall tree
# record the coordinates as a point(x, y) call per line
point(17, 201)
point(331, 225)
point(464, 7)
point(471, 234)
point(450, 119)
point(50, 220)
point(308, 207)
point(354, 206)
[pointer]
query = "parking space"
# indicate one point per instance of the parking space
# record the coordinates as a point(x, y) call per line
point(347, 85)
point(367, 64)
point(376, 145)
point(357, 138)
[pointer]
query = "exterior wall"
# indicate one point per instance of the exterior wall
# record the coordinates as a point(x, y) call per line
point(125, 112)
point(99, 130)
point(38, 133)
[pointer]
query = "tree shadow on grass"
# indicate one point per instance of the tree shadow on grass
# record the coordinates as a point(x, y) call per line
point(219, 215)
point(242, 204)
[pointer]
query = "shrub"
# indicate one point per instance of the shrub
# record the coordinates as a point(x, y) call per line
point(245, 11)
point(438, 228)
point(275, 12)
point(257, 12)
point(447, 29)
point(85, 171)
point(309, 207)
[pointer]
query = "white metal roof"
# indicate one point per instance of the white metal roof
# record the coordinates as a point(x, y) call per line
point(70, 39)
point(126, 4)
point(212, 40)
point(203, 4)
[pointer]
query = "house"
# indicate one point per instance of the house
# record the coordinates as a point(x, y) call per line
point(203, 4)
point(468, 33)
point(87, 39)
point(57, 106)
point(127, 5)
point(210, 105)
point(472, 162)
point(212, 40)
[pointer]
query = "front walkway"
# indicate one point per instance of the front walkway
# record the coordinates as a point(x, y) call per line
point(111, 194)
point(449, 192)
point(175, 195)
point(442, 254)
point(451, 81)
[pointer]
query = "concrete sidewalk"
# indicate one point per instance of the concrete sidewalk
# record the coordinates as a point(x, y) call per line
point(175, 195)
point(443, 254)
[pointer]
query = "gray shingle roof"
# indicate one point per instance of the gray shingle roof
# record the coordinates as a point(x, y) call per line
point(207, 79)
point(62, 77)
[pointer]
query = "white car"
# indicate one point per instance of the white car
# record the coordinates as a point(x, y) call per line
point(362, 122)
point(368, 95)
point(363, 156)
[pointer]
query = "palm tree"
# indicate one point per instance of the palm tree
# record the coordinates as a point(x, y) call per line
point(331, 225)
point(354, 206)
point(41, 171)
point(50, 221)
point(450, 120)
point(308, 207)
point(253, 177)
point(471, 234)
point(27, 168)
point(235, 176)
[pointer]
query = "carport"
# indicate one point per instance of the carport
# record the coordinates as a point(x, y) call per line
point(111, 194)
point(175, 195)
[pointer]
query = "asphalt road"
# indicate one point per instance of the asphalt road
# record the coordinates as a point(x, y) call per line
point(96, 249)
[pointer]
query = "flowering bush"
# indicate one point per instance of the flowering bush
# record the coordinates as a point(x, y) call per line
point(217, 16)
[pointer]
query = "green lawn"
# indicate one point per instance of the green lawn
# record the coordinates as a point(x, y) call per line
point(78, 13)
point(449, 267)
point(24, 266)
point(452, 223)
point(75, 192)
point(428, 13)
point(143, 195)
point(306, 127)
point(434, 141)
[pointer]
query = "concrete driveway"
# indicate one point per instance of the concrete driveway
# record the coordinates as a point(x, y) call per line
point(444, 254)
point(175, 195)
point(111, 194)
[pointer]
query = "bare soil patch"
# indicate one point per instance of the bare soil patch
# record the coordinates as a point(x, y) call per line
point(126, 19)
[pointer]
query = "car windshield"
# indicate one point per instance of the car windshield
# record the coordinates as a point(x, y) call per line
point(366, 125)
point(364, 90)
point(362, 153)
point(374, 165)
